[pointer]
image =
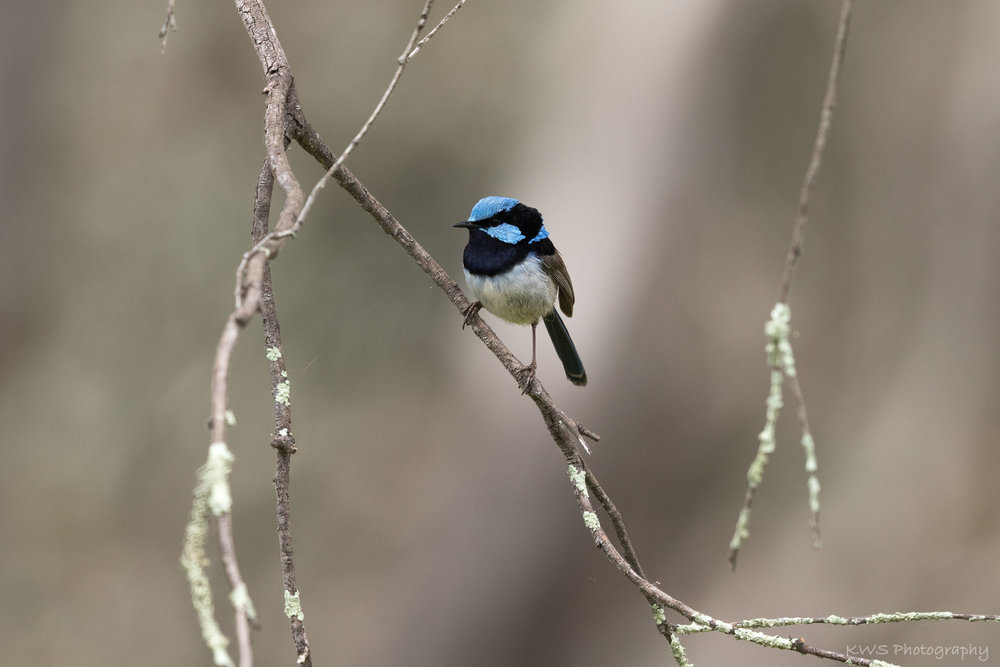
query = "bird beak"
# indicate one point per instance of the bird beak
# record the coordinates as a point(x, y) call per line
point(466, 223)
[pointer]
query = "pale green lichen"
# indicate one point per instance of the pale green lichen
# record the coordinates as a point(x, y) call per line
point(766, 439)
point(742, 530)
point(690, 629)
point(782, 362)
point(659, 616)
point(776, 330)
point(283, 392)
point(762, 639)
point(578, 479)
point(230, 418)
point(283, 432)
point(813, 484)
point(680, 656)
point(210, 494)
point(216, 475)
point(900, 617)
point(703, 619)
point(273, 353)
point(591, 521)
point(809, 447)
point(240, 597)
point(775, 622)
point(293, 608)
point(779, 350)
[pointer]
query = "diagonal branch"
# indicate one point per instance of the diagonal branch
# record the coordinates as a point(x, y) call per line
point(285, 119)
point(409, 52)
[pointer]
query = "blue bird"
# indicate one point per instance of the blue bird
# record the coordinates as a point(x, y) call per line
point(518, 275)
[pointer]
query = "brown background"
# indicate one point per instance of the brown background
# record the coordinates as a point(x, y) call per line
point(665, 144)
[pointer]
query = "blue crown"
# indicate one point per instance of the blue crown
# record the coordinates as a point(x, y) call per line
point(487, 207)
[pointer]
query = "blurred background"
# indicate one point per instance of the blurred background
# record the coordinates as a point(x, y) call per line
point(665, 143)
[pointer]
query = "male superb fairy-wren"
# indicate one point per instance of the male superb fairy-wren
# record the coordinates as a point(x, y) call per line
point(518, 275)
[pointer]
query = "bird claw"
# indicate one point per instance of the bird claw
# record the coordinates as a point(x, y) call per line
point(470, 312)
point(526, 377)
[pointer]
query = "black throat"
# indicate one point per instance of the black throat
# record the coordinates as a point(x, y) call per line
point(488, 256)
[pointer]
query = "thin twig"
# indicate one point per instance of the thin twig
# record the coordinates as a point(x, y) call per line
point(826, 116)
point(407, 55)
point(565, 432)
point(780, 357)
point(242, 606)
point(873, 619)
point(169, 23)
point(283, 441)
point(310, 140)
point(254, 269)
point(253, 292)
point(212, 497)
point(628, 551)
point(809, 449)
point(267, 243)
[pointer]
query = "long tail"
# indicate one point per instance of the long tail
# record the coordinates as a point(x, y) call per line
point(565, 348)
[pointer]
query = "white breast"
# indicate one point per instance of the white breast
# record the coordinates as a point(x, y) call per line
point(521, 295)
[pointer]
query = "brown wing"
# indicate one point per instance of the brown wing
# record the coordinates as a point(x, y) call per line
point(556, 269)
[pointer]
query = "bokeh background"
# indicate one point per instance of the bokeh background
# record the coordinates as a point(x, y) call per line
point(665, 143)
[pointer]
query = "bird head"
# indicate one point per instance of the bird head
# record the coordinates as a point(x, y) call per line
point(506, 220)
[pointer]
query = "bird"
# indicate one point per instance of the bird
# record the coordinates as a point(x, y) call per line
point(516, 273)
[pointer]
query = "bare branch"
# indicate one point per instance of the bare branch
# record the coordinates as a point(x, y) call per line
point(283, 441)
point(826, 116)
point(253, 281)
point(240, 597)
point(809, 449)
point(408, 53)
point(284, 120)
point(407, 57)
point(253, 288)
point(169, 23)
point(616, 520)
point(565, 432)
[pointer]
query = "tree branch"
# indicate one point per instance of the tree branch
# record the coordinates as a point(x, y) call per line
point(245, 615)
point(169, 23)
point(283, 441)
point(253, 289)
point(826, 116)
point(781, 359)
point(284, 120)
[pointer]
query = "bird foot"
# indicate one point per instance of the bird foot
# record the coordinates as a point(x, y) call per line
point(471, 312)
point(526, 377)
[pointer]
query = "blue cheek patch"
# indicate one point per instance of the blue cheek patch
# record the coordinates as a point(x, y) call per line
point(542, 234)
point(487, 207)
point(506, 232)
